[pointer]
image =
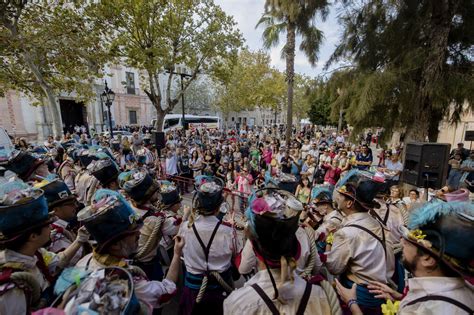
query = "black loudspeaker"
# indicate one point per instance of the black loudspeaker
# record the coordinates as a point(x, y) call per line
point(469, 135)
point(159, 139)
point(426, 163)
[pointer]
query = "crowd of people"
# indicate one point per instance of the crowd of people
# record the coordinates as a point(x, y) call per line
point(93, 225)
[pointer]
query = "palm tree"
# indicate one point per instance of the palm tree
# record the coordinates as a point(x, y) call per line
point(295, 17)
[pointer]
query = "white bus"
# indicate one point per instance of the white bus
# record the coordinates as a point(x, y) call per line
point(173, 121)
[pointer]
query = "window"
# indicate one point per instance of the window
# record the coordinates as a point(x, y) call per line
point(171, 122)
point(233, 118)
point(132, 116)
point(130, 80)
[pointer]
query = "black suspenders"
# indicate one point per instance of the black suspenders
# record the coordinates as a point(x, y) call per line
point(271, 305)
point(207, 248)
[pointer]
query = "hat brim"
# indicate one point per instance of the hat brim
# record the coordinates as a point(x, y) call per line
point(136, 228)
point(5, 239)
point(453, 264)
point(365, 205)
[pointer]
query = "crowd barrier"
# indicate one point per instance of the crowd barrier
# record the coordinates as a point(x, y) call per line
point(237, 200)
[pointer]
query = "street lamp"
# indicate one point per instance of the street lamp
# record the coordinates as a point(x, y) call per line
point(107, 97)
point(182, 75)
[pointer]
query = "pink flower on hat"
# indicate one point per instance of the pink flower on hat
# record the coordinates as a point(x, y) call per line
point(260, 206)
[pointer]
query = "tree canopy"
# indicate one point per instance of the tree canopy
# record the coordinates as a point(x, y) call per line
point(42, 58)
point(155, 35)
point(413, 64)
point(251, 83)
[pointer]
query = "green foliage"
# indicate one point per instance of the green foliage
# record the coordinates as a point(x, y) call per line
point(295, 18)
point(49, 49)
point(413, 64)
point(155, 35)
point(319, 112)
point(252, 83)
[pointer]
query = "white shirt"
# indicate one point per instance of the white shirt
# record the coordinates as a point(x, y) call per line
point(394, 167)
point(248, 260)
point(358, 254)
point(305, 150)
point(246, 301)
point(172, 165)
point(454, 288)
point(223, 247)
point(146, 291)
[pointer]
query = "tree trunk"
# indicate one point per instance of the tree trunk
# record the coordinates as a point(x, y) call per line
point(160, 119)
point(290, 77)
point(49, 93)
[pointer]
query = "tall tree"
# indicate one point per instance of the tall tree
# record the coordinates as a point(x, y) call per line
point(156, 35)
point(413, 64)
point(251, 83)
point(42, 58)
point(293, 17)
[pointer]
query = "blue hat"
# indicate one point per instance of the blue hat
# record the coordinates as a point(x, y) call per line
point(169, 193)
point(109, 217)
point(208, 192)
point(138, 185)
point(321, 195)
point(67, 144)
point(105, 170)
point(56, 192)
point(73, 151)
point(86, 157)
point(22, 163)
point(362, 186)
point(445, 229)
point(21, 210)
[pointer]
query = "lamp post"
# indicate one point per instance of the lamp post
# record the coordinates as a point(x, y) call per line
point(182, 75)
point(107, 97)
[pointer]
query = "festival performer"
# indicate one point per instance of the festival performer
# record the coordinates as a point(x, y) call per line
point(170, 205)
point(307, 264)
point(27, 269)
point(276, 288)
point(210, 247)
point(145, 193)
point(26, 166)
point(64, 205)
point(85, 183)
point(328, 219)
point(115, 227)
point(106, 172)
point(361, 250)
point(393, 214)
point(439, 259)
point(68, 169)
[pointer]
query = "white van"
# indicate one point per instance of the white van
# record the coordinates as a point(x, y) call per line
point(5, 141)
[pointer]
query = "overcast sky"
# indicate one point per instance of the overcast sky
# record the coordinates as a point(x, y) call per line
point(247, 13)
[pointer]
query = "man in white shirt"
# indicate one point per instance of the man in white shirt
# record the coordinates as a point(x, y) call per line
point(361, 250)
point(393, 169)
point(438, 257)
point(275, 244)
point(171, 163)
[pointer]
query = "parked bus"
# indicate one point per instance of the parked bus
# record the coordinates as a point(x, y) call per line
point(173, 121)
